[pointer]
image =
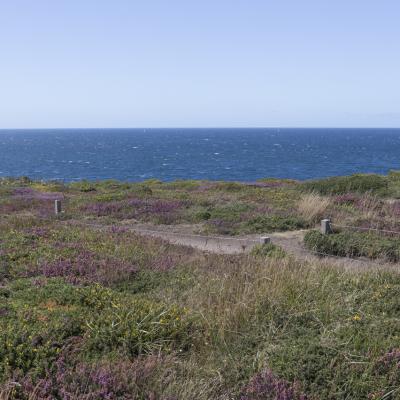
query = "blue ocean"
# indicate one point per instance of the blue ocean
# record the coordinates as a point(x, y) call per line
point(214, 154)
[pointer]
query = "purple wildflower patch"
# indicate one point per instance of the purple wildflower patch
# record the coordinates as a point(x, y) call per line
point(27, 199)
point(30, 194)
point(73, 379)
point(164, 263)
point(3, 312)
point(115, 229)
point(390, 359)
point(37, 231)
point(268, 386)
point(145, 209)
point(87, 268)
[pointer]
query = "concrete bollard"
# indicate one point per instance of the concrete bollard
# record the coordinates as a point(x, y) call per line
point(57, 206)
point(265, 239)
point(326, 226)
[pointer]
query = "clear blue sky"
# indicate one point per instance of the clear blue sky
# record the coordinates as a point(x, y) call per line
point(168, 63)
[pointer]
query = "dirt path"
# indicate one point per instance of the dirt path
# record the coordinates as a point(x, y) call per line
point(186, 235)
point(291, 242)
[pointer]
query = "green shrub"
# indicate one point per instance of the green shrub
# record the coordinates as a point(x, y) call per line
point(360, 183)
point(271, 223)
point(231, 212)
point(137, 326)
point(229, 186)
point(201, 215)
point(282, 181)
point(83, 186)
point(37, 319)
point(394, 175)
point(180, 184)
point(354, 244)
point(268, 250)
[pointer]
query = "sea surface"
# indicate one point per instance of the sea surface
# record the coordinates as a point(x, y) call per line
point(214, 154)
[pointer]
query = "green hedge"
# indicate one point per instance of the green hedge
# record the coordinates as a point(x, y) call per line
point(354, 244)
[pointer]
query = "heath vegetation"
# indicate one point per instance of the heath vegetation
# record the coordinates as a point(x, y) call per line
point(102, 313)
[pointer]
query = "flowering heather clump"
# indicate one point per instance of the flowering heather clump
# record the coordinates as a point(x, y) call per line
point(37, 231)
point(164, 263)
point(72, 379)
point(17, 205)
point(267, 386)
point(30, 194)
point(3, 311)
point(137, 208)
point(87, 268)
point(390, 359)
point(122, 381)
point(115, 229)
point(27, 199)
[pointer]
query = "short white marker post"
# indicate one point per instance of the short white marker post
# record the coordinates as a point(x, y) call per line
point(57, 206)
point(326, 226)
point(265, 239)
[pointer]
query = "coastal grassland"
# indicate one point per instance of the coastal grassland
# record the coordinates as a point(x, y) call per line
point(103, 313)
point(219, 207)
point(232, 208)
point(89, 314)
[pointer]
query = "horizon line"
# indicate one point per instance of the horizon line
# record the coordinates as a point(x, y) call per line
point(200, 127)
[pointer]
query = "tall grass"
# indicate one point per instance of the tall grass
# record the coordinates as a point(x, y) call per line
point(313, 207)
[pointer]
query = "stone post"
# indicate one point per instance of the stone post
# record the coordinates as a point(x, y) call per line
point(326, 226)
point(265, 239)
point(57, 207)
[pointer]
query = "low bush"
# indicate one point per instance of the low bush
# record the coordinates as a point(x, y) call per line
point(360, 183)
point(394, 175)
point(354, 244)
point(231, 212)
point(40, 316)
point(83, 186)
point(271, 223)
point(268, 250)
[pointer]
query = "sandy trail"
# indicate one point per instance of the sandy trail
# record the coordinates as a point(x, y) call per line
point(291, 242)
point(186, 235)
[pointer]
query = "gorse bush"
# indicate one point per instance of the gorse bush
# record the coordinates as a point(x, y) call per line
point(354, 244)
point(38, 319)
point(360, 183)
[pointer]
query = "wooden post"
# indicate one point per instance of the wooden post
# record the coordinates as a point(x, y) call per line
point(326, 227)
point(57, 206)
point(265, 239)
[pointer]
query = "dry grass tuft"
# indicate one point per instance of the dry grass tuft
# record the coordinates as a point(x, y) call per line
point(312, 207)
